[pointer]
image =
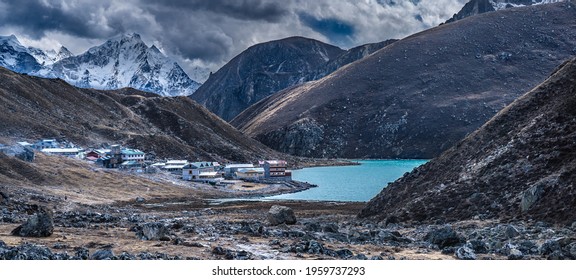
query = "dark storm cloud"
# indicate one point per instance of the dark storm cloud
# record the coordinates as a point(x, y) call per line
point(208, 33)
point(270, 11)
point(37, 18)
point(338, 31)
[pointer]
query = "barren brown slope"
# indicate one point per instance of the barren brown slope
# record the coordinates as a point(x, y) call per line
point(417, 97)
point(519, 165)
point(34, 107)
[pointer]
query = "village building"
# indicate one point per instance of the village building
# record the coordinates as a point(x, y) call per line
point(132, 155)
point(255, 173)
point(132, 165)
point(231, 169)
point(92, 155)
point(174, 166)
point(46, 144)
point(67, 152)
point(276, 170)
point(201, 171)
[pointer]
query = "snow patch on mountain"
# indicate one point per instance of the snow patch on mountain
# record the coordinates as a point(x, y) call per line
point(504, 4)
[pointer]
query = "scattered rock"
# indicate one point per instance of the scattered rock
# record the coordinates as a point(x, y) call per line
point(281, 215)
point(40, 224)
point(103, 255)
point(331, 227)
point(528, 247)
point(153, 231)
point(314, 227)
point(530, 196)
point(443, 237)
point(515, 254)
point(479, 246)
point(571, 249)
point(550, 246)
point(344, 253)
point(219, 251)
point(82, 253)
point(465, 253)
point(511, 231)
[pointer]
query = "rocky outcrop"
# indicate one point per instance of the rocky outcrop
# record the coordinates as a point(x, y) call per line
point(281, 215)
point(417, 97)
point(153, 231)
point(519, 165)
point(40, 224)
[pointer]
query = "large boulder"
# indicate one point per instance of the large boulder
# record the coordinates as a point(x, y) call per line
point(153, 231)
point(444, 237)
point(281, 215)
point(40, 224)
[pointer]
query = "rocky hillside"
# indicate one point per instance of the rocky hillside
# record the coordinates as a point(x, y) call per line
point(418, 96)
point(175, 127)
point(348, 57)
point(519, 165)
point(475, 7)
point(260, 71)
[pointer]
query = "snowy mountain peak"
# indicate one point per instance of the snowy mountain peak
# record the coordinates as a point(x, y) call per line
point(12, 42)
point(126, 61)
point(49, 57)
point(16, 57)
point(122, 61)
point(154, 49)
point(63, 53)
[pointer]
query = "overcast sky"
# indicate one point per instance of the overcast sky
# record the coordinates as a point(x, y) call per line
point(208, 33)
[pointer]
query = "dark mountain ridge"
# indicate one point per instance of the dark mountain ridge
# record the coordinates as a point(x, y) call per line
point(418, 96)
point(267, 68)
point(261, 70)
point(519, 165)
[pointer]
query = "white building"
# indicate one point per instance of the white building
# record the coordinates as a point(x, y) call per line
point(230, 169)
point(200, 171)
point(46, 144)
point(250, 173)
point(67, 152)
point(133, 155)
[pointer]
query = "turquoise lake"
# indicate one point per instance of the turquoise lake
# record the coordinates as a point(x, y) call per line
point(349, 183)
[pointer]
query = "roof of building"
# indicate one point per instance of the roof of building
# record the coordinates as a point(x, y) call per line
point(276, 161)
point(251, 170)
point(62, 150)
point(130, 162)
point(132, 152)
point(201, 164)
point(24, 143)
point(239, 165)
point(177, 161)
point(173, 166)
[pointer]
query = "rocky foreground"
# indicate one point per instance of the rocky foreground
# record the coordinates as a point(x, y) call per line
point(142, 230)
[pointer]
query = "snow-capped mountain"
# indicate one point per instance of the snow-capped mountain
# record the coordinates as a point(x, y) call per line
point(16, 57)
point(125, 61)
point(49, 57)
